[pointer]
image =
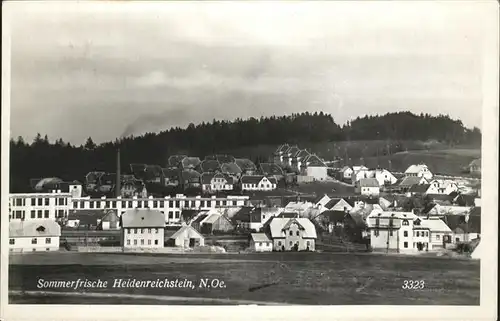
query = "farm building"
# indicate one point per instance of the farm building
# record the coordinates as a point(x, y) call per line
point(215, 222)
point(187, 237)
point(257, 183)
point(110, 221)
point(420, 170)
point(260, 242)
point(143, 228)
point(367, 187)
point(34, 236)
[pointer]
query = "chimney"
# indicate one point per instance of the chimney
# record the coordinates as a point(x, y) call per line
point(118, 187)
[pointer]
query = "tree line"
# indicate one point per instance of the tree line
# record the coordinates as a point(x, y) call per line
point(42, 158)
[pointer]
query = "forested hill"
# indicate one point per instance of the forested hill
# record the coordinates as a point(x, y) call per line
point(41, 158)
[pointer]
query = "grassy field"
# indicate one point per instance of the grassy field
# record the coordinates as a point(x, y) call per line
point(285, 278)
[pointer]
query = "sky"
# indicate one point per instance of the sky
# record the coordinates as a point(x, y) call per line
point(111, 69)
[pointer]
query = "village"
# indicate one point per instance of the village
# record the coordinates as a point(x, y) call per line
point(223, 204)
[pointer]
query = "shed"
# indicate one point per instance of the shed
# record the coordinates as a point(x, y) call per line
point(187, 236)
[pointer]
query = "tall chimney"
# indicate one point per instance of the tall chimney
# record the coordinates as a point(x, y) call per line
point(118, 174)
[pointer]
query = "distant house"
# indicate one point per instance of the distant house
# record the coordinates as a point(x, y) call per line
point(292, 234)
point(321, 201)
point(142, 228)
point(288, 155)
point(298, 159)
point(257, 183)
point(260, 242)
point(190, 162)
point(367, 186)
point(110, 221)
point(215, 182)
point(445, 187)
point(175, 160)
point(280, 151)
point(246, 165)
point(171, 176)
point(224, 159)
point(300, 207)
point(187, 237)
point(271, 169)
point(190, 178)
point(314, 167)
point(460, 199)
point(405, 183)
point(231, 169)
point(336, 204)
point(419, 189)
point(34, 236)
point(440, 233)
point(360, 174)
point(251, 218)
point(420, 170)
point(346, 173)
point(464, 230)
point(475, 166)
point(154, 174)
point(134, 188)
point(209, 166)
point(440, 210)
point(384, 177)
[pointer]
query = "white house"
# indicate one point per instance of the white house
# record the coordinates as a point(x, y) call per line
point(293, 234)
point(360, 174)
point(300, 207)
point(36, 206)
point(143, 228)
point(384, 177)
point(187, 236)
point(440, 233)
point(260, 242)
point(442, 187)
point(211, 182)
point(346, 173)
point(420, 170)
point(367, 187)
point(321, 201)
point(34, 235)
point(257, 183)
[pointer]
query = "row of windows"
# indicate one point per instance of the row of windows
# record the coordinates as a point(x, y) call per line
point(34, 240)
point(263, 243)
point(156, 204)
point(143, 231)
point(420, 233)
point(142, 242)
point(308, 243)
point(39, 201)
point(291, 233)
point(257, 185)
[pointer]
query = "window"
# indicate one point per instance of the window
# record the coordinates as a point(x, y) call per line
point(40, 202)
point(308, 243)
point(107, 204)
point(291, 233)
point(377, 221)
point(34, 240)
point(170, 203)
point(438, 236)
point(177, 204)
point(405, 222)
point(142, 241)
point(457, 239)
point(170, 214)
point(291, 243)
point(418, 233)
point(39, 214)
point(33, 214)
point(155, 204)
point(177, 214)
point(61, 201)
point(12, 241)
point(279, 243)
point(298, 233)
point(406, 245)
point(259, 244)
point(18, 202)
point(156, 242)
point(82, 204)
point(405, 234)
point(414, 244)
point(376, 232)
point(130, 204)
point(47, 200)
point(91, 204)
point(113, 204)
point(128, 242)
point(48, 240)
point(156, 230)
point(390, 233)
point(46, 214)
point(135, 242)
point(149, 242)
point(60, 213)
point(135, 231)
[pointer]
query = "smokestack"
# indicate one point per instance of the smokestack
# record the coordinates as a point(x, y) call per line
point(118, 174)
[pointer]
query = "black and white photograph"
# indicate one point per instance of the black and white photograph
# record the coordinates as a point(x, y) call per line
point(206, 153)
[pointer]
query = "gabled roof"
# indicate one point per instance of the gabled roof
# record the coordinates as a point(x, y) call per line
point(200, 218)
point(474, 224)
point(278, 224)
point(415, 169)
point(174, 160)
point(224, 159)
point(188, 215)
point(454, 221)
point(271, 169)
point(230, 168)
point(190, 162)
point(171, 173)
point(465, 200)
point(435, 225)
point(245, 164)
point(292, 150)
point(251, 179)
point(419, 188)
point(34, 228)
point(314, 160)
point(475, 211)
point(191, 231)
point(476, 162)
point(345, 168)
point(210, 165)
point(260, 237)
point(409, 181)
point(333, 216)
point(190, 175)
point(368, 182)
point(303, 153)
point(143, 218)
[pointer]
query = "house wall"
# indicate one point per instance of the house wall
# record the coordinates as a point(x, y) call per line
point(39, 206)
point(384, 240)
point(304, 179)
point(367, 191)
point(290, 240)
point(319, 173)
point(23, 244)
point(183, 240)
point(385, 176)
point(421, 235)
point(151, 237)
point(252, 225)
point(261, 246)
point(222, 224)
point(464, 237)
point(436, 239)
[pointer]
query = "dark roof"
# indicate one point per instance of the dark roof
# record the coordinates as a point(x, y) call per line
point(475, 211)
point(333, 216)
point(245, 164)
point(453, 221)
point(190, 162)
point(206, 178)
point(224, 158)
point(465, 200)
point(200, 218)
point(409, 181)
point(288, 215)
point(86, 217)
point(188, 215)
point(419, 188)
point(174, 160)
point(242, 213)
point(251, 179)
point(270, 169)
point(357, 219)
point(314, 160)
point(138, 170)
point(439, 197)
point(474, 224)
point(368, 182)
point(209, 165)
point(171, 173)
point(191, 175)
point(153, 171)
point(230, 168)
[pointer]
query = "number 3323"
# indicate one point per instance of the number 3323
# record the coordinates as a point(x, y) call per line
point(413, 285)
